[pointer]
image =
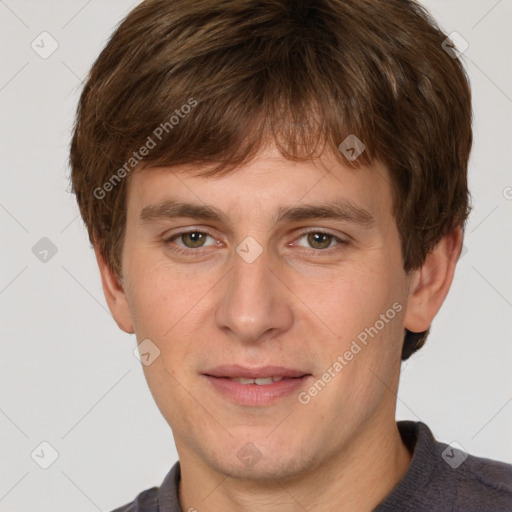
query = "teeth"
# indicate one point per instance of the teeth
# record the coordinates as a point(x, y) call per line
point(264, 381)
point(260, 382)
point(242, 380)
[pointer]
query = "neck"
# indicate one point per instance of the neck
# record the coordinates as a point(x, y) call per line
point(356, 479)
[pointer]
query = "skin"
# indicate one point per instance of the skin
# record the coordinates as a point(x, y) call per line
point(342, 450)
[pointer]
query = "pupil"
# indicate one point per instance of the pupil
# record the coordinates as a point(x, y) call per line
point(195, 237)
point(316, 237)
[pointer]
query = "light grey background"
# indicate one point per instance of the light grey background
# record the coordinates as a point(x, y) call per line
point(68, 374)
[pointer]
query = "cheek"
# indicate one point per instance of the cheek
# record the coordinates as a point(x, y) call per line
point(158, 295)
point(169, 307)
point(355, 298)
point(366, 313)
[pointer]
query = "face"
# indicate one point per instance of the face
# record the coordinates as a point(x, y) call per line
point(261, 285)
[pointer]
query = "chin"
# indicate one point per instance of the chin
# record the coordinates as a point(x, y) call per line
point(266, 464)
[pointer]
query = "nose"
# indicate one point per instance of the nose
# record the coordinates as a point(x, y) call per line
point(254, 302)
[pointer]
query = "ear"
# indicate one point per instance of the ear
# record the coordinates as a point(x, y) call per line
point(431, 283)
point(114, 294)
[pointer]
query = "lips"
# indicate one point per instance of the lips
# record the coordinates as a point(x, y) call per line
point(234, 371)
point(255, 387)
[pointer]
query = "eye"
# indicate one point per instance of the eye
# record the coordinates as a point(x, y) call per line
point(321, 240)
point(193, 242)
point(193, 239)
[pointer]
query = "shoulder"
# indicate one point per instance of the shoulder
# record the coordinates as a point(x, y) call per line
point(146, 501)
point(481, 484)
point(469, 482)
point(445, 478)
point(158, 499)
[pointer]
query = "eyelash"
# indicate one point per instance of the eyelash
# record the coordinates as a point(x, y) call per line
point(200, 250)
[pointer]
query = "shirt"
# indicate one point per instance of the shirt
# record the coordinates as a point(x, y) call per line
point(440, 478)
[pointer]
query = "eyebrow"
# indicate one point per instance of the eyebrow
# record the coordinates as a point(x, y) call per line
point(341, 210)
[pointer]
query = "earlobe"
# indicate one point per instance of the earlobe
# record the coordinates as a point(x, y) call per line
point(430, 284)
point(114, 294)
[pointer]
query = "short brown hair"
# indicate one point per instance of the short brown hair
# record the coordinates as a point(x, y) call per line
point(304, 75)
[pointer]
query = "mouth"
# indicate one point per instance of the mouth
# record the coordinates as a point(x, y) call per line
point(264, 381)
point(255, 386)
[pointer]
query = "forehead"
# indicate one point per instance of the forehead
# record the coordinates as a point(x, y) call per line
point(267, 186)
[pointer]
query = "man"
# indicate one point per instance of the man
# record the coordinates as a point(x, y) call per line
point(276, 192)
